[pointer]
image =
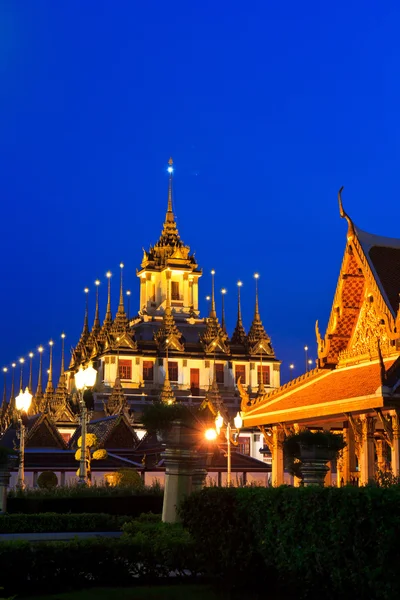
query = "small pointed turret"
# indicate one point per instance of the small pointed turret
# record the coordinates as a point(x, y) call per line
point(239, 334)
point(49, 393)
point(38, 404)
point(168, 330)
point(120, 324)
point(167, 395)
point(105, 328)
point(223, 292)
point(257, 332)
point(214, 337)
point(81, 346)
point(213, 400)
point(4, 405)
point(30, 387)
point(59, 407)
point(21, 375)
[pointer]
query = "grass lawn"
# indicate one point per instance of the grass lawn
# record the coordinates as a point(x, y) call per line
point(170, 592)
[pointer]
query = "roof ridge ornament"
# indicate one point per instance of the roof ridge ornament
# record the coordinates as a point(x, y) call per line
point(344, 215)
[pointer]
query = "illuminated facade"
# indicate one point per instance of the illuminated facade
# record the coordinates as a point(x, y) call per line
point(355, 389)
point(167, 350)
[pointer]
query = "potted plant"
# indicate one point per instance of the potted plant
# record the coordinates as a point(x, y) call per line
point(307, 452)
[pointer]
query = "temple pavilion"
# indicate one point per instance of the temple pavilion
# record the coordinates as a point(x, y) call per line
point(355, 389)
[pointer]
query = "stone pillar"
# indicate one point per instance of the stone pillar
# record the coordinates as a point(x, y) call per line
point(395, 442)
point(340, 470)
point(381, 452)
point(4, 483)
point(367, 454)
point(198, 479)
point(278, 475)
point(349, 455)
point(180, 460)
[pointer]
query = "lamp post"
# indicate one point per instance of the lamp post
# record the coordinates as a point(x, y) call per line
point(220, 422)
point(84, 378)
point(22, 404)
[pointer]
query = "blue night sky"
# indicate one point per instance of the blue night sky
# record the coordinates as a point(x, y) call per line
point(267, 109)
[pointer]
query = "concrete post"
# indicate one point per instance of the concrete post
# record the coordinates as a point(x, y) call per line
point(278, 475)
point(198, 479)
point(180, 461)
point(367, 471)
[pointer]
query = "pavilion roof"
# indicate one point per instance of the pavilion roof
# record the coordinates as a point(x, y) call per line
point(322, 393)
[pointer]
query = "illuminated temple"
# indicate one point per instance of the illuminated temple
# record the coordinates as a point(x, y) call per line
point(165, 352)
point(355, 389)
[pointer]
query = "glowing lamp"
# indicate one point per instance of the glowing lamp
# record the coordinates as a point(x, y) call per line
point(63, 336)
point(219, 421)
point(210, 434)
point(239, 283)
point(85, 378)
point(256, 275)
point(30, 354)
point(22, 360)
point(108, 274)
point(223, 291)
point(306, 348)
point(23, 400)
point(170, 170)
point(128, 292)
point(238, 421)
point(97, 282)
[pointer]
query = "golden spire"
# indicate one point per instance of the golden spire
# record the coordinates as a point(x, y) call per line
point(4, 403)
point(62, 354)
point(12, 398)
point(167, 395)
point(86, 319)
point(170, 215)
point(50, 380)
point(223, 292)
point(239, 334)
point(128, 293)
point(30, 371)
point(168, 329)
point(108, 318)
point(257, 332)
point(21, 383)
point(121, 307)
point(49, 393)
point(213, 312)
point(39, 390)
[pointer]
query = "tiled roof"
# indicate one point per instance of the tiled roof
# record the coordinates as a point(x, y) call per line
point(324, 388)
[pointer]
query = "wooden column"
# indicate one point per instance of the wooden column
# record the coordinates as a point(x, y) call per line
point(367, 455)
point(278, 435)
point(395, 442)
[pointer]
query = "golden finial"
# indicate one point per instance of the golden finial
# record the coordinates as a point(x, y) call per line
point(170, 169)
point(50, 371)
point(257, 312)
point(21, 362)
point(121, 307)
point(63, 336)
point(212, 310)
point(3, 406)
point(344, 215)
point(128, 293)
point(223, 292)
point(12, 381)
point(30, 371)
point(96, 324)
point(108, 312)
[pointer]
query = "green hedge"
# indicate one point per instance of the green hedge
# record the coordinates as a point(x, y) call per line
point(61, 566)
point(308, 542)
point(54, 522)
point(129, 504)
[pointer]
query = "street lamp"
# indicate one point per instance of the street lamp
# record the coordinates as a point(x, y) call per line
point(84, 378)
point(219, 424)
point(22, 404)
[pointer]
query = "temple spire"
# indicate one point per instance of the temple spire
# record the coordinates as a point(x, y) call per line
point(223, 292)
point(257, 338)
point(170, 215)
point(4, 388)
point(21, 375)
point(50, 379)
point(213, 312)
point(30, 372)
point(62, 354)
point(239, 334)
point(167, 395)
point(12, 397)
point(85, 330)
point(96, 323)
point(121, 307)
point(108, 318)
point(39, 389)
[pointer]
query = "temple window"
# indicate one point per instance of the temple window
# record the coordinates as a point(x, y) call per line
point(265, 372)
point(174, 290)
point(240, 371)
point(244, 445)
point(173, 371)
point(148, 370)
point(219, 373)
point(153, 292)
point(125, 369)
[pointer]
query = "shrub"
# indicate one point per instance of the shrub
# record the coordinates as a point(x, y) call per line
point(53, 522)
point(339, 543)
point(47, 480)
point(128, 477)
point(58, 566)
